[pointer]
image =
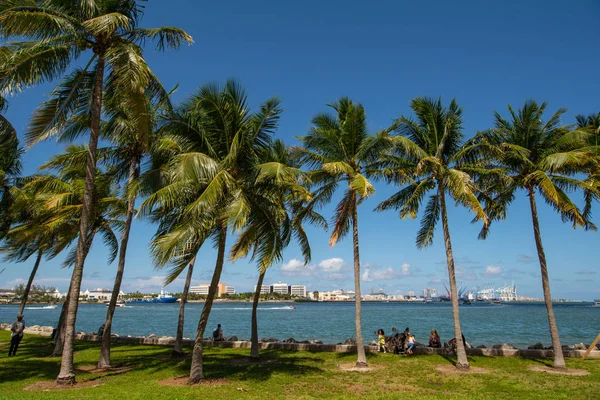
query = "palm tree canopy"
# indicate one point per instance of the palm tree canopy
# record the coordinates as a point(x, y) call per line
point(210, 149)
point(52, 34)
point(427, 153)
point(528, 152)
point(338, 149)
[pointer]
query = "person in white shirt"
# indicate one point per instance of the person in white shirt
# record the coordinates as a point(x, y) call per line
point(16, 330)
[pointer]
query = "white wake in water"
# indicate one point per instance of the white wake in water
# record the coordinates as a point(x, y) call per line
point(41, 308)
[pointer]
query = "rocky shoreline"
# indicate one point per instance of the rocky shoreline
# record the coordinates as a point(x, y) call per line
point(500, 349)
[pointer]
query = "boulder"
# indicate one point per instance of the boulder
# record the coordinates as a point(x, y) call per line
point(270, 340)
point(482, 346)
point(47, 329)
point(446, 345)
point(597, 346)
point(537, 346)
point(304, 342)
point(504, 346)
point(566, 347)
point(290, 340)
point(316, 342)
point(468, 346)
point(232, 339)
point(350, 342)
point(151, 336)
point(579, 346)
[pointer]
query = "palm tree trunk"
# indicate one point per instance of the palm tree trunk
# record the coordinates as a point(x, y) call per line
point(360, 348)
point(461, 354)
point(254, 347)
point(104, 361)
point(59, 335)
point(196, 373)
point(178, 348)
point(66, 375)
point(30, 281)
point(559, 360)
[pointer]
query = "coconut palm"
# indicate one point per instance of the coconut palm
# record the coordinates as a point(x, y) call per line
point(10, 167)
point(270, 229)
point(591, 126)
point(339, 149)
point(534, 155)
point(424, 157)
point(55, 34)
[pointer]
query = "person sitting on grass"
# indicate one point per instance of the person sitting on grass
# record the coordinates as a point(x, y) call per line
point(381, 341)
point(411, 344)
point(218, 334)
point(434, 339)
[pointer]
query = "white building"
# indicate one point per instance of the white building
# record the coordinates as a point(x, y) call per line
point(99, 294)
point(201, 289)
point(281, 288)
point(264, 289)
point(230, 290)
point(298, 290)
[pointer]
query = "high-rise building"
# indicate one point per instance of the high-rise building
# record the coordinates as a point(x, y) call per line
point(298, 290)
point(281, 288)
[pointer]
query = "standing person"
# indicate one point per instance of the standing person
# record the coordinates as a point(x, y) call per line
point(16, 329)
point(381, 341)
point(434, 339)
point(218, 334)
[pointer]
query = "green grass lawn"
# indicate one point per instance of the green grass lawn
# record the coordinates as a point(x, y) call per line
point(285, 375)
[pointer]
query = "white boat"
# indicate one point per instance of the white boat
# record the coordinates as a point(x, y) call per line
point(119, 304)
point(596, 303)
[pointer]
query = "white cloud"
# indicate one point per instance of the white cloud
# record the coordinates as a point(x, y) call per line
point(296, 267)
point(405, 270)
point(388, 273)
point(13, 283)
point(331, 264)
point(492, 270)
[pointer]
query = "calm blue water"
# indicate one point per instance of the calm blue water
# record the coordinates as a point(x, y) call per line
point(521, 324)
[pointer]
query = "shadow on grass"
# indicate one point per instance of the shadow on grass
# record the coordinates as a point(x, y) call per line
point(545, 362)
point(452, 359)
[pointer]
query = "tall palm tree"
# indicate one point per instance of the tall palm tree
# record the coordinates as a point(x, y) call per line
point(55, 34)
point(590, 125)
point(339, 149)
point(425, 157)
point(534, 155)
point(270, 229)
point(210, 182)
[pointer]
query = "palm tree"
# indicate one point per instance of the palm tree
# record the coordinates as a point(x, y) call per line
point(132, 128)
point(590, 125)
point(426, 156)
point(536, 155)
point(210, 183)
point(10, 167)
point(57, 33)
point(339, 149)
point(270, 229)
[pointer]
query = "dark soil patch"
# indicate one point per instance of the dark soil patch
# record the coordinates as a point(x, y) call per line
point(183, 381)
point(452, 370)
point(51, 386)
point(550, 370)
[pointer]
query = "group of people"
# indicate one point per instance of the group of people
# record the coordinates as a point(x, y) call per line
point(404, 342)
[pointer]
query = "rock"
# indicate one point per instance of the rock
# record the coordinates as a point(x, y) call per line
point(597, 346)
point(47, 329)
point(35, 328)
point(537, 346)
point(304, 342)
point(468, 346)
point(565, 347)
point(151, 336)
point(232, 339)
point(417, 344)
point(580, 346)
point(270, 340)
point(446, 345)
point(504, 346)
point(482, 346)
point(316, 342)
point(290, 340)
point(350, 342)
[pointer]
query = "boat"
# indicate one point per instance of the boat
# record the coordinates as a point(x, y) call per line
point(119, 304)
point(292, 307)
point(496, 302)
point(596, 303)
point(164, 297)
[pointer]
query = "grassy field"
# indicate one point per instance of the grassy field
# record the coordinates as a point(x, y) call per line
point(143, 372)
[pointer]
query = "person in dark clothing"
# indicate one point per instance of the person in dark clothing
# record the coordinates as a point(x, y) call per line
point(452, 344)
point(434, 339)
point(101, 330)
point(218, 334)
point(16, 330)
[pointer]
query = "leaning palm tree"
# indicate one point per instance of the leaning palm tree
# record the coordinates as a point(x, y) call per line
point(209, 182)
point(534, 155)
point(52, 35)
point(270, 229)
point(590, 125)
point(425, 157)
point(339, 149)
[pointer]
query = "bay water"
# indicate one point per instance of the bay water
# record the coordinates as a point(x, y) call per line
point(332, 322)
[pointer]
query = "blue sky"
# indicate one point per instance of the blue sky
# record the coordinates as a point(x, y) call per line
point(484, 54)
